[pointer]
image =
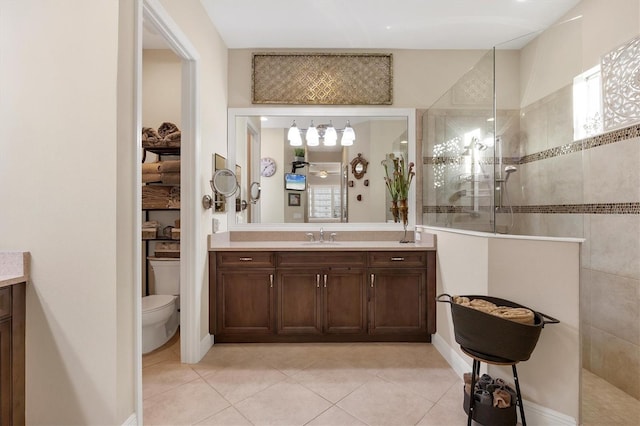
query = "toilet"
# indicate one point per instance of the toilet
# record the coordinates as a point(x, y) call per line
point(160, 315)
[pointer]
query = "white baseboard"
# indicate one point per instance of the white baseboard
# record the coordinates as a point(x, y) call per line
point(535, 414)
point(459, 365)
point(205, 345)
point(132, 420)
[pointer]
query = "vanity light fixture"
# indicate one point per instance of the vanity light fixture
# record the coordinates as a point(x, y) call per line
point(325, 133)
point(348, 135)
point(294, 135)
point(330, 135)
point(313, 138)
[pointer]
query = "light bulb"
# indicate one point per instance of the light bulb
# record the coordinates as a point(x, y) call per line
point(348, 135)
point(313, 138)
point(294, 135)
point(330, 135)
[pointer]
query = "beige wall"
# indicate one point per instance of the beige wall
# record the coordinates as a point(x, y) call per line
point(126, 214)
point(193, 20)
point(536, 273)
point(420, 77)
point(59, 197)
point(552, 60)
point(161, 88)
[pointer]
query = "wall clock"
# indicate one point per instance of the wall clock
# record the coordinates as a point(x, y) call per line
point(267, 166)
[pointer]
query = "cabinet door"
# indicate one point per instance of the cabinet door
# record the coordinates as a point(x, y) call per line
point(397, 301)
point(345, 301)
point(299, 302)
point(245, 301)
point(6, 399)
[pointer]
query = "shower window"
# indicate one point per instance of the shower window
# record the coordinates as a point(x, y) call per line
point(587, 104)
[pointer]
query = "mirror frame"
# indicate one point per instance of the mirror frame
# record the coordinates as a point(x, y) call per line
point(408, 113)
point(359, 161)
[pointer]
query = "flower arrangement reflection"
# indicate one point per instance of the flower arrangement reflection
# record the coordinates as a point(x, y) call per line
point(398, 178)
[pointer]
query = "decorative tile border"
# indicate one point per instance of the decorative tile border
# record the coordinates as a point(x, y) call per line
point(577, 146)
point(596, 208)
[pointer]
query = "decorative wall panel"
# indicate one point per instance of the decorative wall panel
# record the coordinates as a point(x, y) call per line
point(322, 79)
point(621, 85)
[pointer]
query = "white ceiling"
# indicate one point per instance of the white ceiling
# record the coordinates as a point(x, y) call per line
point(381, 24)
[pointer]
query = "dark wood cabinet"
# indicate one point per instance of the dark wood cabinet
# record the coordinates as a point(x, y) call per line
point(321, 301)
point(12, 355)
point(398, 302)
point(244, 293)
point(322, 296)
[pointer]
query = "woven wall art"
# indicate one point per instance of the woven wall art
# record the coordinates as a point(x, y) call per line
point(322, 79)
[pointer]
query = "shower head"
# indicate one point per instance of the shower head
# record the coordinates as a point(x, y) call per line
point(508, 170)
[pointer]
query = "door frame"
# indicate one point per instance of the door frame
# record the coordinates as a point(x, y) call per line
point(191, 347)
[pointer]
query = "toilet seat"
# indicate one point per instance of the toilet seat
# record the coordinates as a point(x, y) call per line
point(156, 302)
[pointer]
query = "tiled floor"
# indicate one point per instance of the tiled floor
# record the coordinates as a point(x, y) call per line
point(328, 384)
point(604, 404)
point(303, 384)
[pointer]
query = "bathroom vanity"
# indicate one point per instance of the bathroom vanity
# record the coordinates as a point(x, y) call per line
point(300, 291)
point(14, 273)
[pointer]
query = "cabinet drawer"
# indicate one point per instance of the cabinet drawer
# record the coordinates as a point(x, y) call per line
point(253, 259)
point(402, 259)
point(321, 258)
point(5, 302)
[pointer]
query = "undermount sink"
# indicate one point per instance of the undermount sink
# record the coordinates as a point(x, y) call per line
point(320, 243)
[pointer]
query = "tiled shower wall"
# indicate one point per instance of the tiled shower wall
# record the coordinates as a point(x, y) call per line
point(586, 189)
point(589, 188)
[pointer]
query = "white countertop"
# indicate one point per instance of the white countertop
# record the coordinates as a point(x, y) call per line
point(267, 242)
point(14, 267)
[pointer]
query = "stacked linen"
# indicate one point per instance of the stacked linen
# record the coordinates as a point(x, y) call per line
point(167, 136)
point(170, 172)
point(520, 315)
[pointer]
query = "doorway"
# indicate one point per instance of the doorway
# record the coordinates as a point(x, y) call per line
point(151, 14)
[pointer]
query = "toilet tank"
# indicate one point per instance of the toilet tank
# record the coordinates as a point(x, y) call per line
point(167, 275)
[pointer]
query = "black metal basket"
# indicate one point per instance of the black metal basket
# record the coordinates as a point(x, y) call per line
point(486, 334)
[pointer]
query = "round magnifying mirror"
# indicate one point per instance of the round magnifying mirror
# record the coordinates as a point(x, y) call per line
point(254, 192)
point(224, 182)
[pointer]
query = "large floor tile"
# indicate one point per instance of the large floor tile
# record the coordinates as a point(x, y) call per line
point(379, 402)
point(183, 405)
point(332, 379)
point(427, 382)
point(335, 416)
point(285, 403)
point(227, 417)
point(165, 376)
point(236, 384)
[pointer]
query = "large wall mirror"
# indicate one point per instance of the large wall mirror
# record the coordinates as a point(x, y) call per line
point(306, 181)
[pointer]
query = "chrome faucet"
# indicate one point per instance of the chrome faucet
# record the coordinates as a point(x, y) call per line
point(321, 235)
point(311, 237)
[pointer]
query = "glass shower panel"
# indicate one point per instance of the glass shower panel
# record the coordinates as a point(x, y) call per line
point(459, 152)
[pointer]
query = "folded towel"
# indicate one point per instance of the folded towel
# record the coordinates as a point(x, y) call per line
point(173, 139)
point(170, 178)
point(150, 137)
point(482, 396)
point(166, 128)
point(151, 167)
point(521, 315)
point(501, 398)
point(169, 166)
point(151, 224)
point(151, 177)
